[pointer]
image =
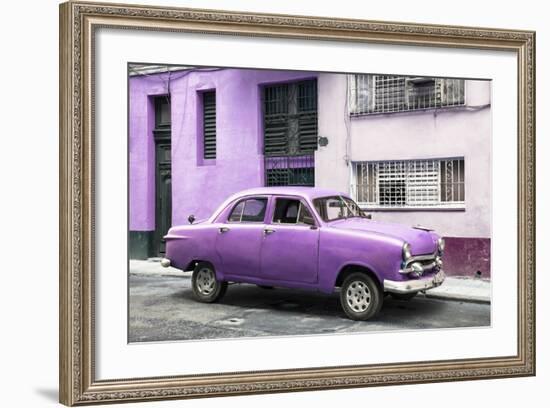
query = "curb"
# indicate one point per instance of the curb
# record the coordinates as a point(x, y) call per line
point(458, 298)
point(167, 272)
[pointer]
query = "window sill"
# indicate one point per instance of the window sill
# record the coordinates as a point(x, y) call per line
point(410, 111)
point(456, 207)
point(207, 162)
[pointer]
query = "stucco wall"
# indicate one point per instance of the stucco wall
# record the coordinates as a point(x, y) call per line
point(141, 152)
point(198, 186)
point(442, 133)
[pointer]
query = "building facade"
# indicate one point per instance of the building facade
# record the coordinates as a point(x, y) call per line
point(408, 150)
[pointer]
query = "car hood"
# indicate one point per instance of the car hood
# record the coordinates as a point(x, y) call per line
point(422, 241)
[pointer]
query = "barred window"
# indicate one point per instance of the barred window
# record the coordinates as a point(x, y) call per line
point(289, 170)
point(290, 133)
point(409, 183)
point(389, 93)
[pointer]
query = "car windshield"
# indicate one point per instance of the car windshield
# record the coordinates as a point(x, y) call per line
point(337, 207)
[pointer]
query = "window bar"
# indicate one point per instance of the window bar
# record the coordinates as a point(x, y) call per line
point(386, 93)
point(449, 180)
point(409, 183)
point(439, 181)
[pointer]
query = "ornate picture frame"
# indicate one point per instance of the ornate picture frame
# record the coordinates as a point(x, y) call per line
point(78, 24)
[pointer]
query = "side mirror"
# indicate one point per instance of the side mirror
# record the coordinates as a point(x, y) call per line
point(308, 220)
point(364, 214)
point(191, 219)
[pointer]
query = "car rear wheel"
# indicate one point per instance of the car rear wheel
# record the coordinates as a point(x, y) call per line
point(206, 287)
point(360, 296)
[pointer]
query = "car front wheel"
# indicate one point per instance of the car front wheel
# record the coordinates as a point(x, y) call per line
point(206, 287)
point(360, 296)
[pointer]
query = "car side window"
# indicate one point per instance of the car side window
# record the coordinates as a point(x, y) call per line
point(249, 210)
point(237, 212)
point(305, 216)
point(291, 211)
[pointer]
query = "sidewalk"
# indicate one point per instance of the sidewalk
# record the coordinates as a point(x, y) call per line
point(152, 266)
point(464, 289)
point(454, 288)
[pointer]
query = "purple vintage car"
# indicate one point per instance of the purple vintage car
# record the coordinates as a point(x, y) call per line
point(307, 238)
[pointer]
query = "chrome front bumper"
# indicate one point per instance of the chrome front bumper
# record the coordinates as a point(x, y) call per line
point(414, 285)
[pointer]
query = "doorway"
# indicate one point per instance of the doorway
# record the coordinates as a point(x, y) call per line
point(163, 173)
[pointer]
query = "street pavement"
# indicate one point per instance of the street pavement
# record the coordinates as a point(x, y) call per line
point(162, 308)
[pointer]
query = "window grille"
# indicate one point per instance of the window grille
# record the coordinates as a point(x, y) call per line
point(371, 94)
point(409, 183)
point(289, 170)
point(290, 133)
point(209, 124)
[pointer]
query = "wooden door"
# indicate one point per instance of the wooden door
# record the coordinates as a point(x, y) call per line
point(163, 173)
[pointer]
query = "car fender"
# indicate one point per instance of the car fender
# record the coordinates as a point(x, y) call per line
point(186, 244)
point(339, 249)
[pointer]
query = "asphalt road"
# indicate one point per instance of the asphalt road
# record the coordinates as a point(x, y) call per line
point(163, 308)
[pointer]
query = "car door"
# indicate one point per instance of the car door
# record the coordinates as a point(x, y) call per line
point(239, 238)
point(290, 243)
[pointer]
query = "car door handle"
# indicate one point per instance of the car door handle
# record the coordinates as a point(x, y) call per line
point(268, 231)
point(223, 229)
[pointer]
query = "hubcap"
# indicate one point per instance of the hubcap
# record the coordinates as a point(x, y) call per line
point(358, 296)
point(206, 281)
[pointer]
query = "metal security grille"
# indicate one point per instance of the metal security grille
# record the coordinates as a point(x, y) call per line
point(389, 95)
point(289, 171)
point(409, 183)
point(209, 124)
point(371, 94)
point(290, 133)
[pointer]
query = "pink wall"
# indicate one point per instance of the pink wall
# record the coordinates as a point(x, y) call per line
point(442, 133)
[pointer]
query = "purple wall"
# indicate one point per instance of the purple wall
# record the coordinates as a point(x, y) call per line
point(239, 159)
point(467, 257)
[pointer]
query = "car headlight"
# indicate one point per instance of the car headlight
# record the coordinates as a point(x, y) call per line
point(440, 245)
point(406, 251)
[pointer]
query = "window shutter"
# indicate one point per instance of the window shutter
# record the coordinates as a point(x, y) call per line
point(275, 137)
point(275, 120)
point(209, 124)
point(307, 116)
point(290, 118)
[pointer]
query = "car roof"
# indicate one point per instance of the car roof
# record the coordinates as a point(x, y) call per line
point(307, 192)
